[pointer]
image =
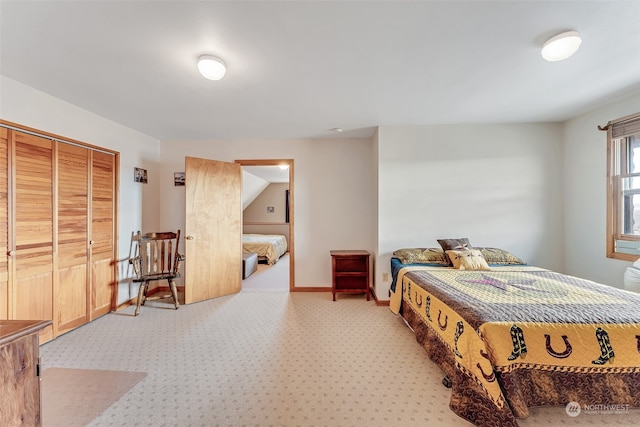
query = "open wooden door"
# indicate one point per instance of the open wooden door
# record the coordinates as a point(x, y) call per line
point(213, 229)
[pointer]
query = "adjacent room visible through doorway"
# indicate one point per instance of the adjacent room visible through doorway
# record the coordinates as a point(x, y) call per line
point(267, 199)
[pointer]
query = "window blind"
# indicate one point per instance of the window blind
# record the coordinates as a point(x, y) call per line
point(625, 126)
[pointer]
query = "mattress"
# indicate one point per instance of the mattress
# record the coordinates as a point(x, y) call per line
point(268, 246)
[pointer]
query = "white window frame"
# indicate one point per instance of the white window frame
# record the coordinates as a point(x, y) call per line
point(620, 134)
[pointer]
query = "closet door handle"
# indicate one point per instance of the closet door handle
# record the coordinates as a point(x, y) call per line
point(189, 238)
point(91, 242)
point(11, 253)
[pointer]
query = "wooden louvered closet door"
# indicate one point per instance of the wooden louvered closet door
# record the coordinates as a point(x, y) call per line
point(32, 270)
point(103, 279)
point(4, 224)
point(58, 216)
point(71, 300)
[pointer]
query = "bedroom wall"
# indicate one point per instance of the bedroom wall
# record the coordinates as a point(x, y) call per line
point(138, 203)
point(272, 196)
point(585, 171)
point(333, 193)
point(498, 185)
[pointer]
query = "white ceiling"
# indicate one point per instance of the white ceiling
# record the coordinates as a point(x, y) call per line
point(269, 173)
point(297, 69)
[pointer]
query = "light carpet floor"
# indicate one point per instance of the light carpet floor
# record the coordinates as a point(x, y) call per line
point(271, 359)
point(269, 278)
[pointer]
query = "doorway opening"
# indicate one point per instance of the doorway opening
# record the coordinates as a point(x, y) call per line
point(268, 213)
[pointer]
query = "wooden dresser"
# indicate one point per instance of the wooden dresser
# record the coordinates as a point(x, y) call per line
point(350, 272)
point(20, 372)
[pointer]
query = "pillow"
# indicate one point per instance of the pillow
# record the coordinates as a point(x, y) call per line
point(448, 244)
point(421, 256)
point(468, 259)
point(457, 244)
point(500, 256)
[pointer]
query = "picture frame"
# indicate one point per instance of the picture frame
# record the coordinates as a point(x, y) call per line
point(178, 179)
point(140, 175)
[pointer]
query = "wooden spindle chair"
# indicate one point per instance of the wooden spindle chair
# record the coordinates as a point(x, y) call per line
point(157, 258)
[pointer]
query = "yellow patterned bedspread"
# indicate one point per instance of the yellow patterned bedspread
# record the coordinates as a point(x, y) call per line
point(524, 317)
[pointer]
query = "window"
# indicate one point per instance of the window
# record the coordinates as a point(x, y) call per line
point(623, 188)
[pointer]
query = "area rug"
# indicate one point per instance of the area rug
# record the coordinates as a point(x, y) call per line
point(75, 397)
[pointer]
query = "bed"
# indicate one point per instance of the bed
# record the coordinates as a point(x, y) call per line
point(512, 336)
point(269, 247)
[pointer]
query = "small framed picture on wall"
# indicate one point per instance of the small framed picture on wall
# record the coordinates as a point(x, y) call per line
point(178, 179)
point(140, 175)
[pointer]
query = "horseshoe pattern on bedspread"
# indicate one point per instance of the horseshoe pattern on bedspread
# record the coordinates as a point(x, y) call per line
point(418, 302)
point(560, 355)
point(446, 319)
point(489, 377)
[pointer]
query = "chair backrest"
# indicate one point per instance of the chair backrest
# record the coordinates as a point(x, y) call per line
point(158, 253)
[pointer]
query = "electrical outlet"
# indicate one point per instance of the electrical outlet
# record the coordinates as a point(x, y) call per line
point(385, 277)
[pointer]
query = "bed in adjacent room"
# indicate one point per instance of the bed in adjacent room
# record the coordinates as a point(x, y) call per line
point(510, 336)
point(269, 247)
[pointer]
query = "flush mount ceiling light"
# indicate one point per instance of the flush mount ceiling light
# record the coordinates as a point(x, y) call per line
point(211, 67)
point(561, 46)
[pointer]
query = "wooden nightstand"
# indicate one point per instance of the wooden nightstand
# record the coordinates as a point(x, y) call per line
point(350, 272)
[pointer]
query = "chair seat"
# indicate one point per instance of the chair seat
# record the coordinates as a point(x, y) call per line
point(161, 276)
